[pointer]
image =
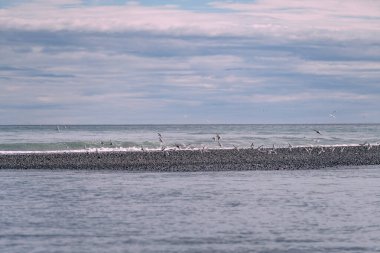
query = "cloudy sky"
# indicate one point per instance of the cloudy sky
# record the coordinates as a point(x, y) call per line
point(199, 61)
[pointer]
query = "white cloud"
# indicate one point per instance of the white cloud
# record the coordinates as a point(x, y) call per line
point(362, 69)
point(129, 59)
point(282, 19)
point(308, 96)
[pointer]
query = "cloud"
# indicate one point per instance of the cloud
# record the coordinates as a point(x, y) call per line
point(310, 96)
point(62, 60)
point(295, 20)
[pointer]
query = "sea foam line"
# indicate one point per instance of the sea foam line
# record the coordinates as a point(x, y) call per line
point(139, 149)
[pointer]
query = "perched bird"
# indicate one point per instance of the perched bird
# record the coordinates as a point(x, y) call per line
point(309, 150)
point(366, 144)
point(273, 150)
point(204, 149)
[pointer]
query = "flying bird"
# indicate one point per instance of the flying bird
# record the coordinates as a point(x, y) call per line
point(216, 137)
point(160, 138)
point(332, 115)
point(317, 131)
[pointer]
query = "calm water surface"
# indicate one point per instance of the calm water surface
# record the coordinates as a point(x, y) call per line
point(334, 210)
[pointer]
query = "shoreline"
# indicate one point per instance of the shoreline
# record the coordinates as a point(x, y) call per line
point(199, 160)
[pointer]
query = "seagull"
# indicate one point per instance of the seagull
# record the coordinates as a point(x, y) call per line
point(204, 149)
point(317, 131)
point(261, 149)
point(290, 146)
point(321, 151)
point(308, 150)
point(332, 115)
point(273, 150)
point(366, 144)
point(160, 138)
point(216, 137)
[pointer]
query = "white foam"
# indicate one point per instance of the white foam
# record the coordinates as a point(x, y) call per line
point(138, 149)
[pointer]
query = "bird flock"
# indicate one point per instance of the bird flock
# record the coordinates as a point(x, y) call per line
point(217, 141)
point(269, 150)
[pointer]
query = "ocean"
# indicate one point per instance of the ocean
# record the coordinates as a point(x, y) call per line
point(83, 138)
point(325, 210)
point(328, 210)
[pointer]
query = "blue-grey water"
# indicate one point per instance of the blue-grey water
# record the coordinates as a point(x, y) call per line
point(332, 210)
point(133, 137)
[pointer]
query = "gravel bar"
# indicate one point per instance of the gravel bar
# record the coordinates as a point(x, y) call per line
point(198, 160)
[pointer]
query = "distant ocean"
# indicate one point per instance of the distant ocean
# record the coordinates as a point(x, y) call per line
point(82, 138)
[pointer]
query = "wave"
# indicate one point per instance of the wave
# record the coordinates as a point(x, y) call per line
point(154, 149)
point(72, 145)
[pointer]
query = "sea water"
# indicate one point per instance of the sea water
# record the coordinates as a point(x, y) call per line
point(332, 210)
point(329, 210)
point(83, 138)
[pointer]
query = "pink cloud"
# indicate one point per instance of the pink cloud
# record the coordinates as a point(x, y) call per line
point(282, 19)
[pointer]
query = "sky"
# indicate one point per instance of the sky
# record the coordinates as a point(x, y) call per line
point(182, 62)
